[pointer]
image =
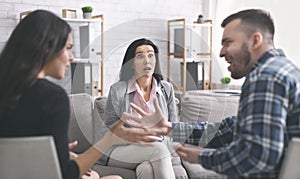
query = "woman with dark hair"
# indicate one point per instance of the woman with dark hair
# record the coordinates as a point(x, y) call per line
point(30, 105)
point(126, 71)
point(140, 83)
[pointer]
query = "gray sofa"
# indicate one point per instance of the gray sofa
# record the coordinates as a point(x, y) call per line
point(205, 105)
point(86, 126)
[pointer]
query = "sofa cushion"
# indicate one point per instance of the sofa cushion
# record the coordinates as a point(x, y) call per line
point(207, 107)
point(196, 171)
point(99, 126)
point(100, 104)
point(81, 121)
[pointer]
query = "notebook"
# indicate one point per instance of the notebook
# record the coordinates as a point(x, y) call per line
point(29, 157)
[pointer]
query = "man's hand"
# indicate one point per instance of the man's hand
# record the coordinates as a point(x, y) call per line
point(154, 122)
point(187, 152)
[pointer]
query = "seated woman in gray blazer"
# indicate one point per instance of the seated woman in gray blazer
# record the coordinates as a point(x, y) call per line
point(140, 82)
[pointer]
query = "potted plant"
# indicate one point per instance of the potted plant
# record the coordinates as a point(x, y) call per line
point(225, 81)
point(87, 12)
point(200, 20)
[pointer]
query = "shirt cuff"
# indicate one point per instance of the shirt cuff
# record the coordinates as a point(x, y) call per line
point(205, 158)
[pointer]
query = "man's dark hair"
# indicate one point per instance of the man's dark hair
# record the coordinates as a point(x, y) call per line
point(254, 20)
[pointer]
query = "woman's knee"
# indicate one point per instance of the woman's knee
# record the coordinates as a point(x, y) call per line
point(144, 170)
point(160, 149)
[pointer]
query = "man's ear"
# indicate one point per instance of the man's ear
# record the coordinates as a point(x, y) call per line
point(257, 40)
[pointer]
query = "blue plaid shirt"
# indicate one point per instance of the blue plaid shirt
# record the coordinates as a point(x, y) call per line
point(253, 143)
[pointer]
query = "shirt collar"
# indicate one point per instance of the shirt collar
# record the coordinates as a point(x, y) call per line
point(133, 86)
point(269, 54)
point(266, 56)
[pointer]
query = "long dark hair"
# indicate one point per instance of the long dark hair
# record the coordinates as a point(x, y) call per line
point(126, 72)
point(36, 40)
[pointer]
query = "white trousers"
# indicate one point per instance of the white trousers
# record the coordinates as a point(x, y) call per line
point(151, 161)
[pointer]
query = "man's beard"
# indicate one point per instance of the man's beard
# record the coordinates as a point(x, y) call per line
point(245, 57)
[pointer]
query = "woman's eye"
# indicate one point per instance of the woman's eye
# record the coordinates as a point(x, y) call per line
point(139, 56)
point(69, 47)
point(150, 55)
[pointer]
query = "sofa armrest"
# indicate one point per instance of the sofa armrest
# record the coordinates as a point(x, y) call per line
point(81, 121)
point(98, 113)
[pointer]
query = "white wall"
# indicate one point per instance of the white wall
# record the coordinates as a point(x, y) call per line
point(287, 26)
point(124, 21)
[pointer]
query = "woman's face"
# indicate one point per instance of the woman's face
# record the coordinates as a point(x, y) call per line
point(144, 61)
point(57, 67)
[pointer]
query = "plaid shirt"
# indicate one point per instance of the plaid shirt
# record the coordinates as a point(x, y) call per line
point(252, 144)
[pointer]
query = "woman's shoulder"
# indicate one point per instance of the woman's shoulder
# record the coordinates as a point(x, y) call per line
point(120, 84)
point(45, 95)
point(167, 85)
point(46, 87)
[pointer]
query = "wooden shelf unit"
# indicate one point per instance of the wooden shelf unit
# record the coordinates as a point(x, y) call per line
point(90, 62)
point(182, 23)
point(95, 19)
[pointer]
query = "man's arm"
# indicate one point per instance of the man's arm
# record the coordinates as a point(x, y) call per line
point(258, 143)
point(204, 134)
point(184, 132)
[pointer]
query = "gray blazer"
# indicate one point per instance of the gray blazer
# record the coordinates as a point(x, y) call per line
point(118, 101)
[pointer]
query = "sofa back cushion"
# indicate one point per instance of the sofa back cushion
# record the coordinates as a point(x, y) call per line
point(212, 108)
point(100, 104)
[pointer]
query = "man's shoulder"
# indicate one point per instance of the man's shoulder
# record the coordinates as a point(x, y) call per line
point(278, 66)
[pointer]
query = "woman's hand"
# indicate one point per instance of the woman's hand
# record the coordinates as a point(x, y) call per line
point(119, 134)
point(71, 146)
point(90, 174)
point(153, 122)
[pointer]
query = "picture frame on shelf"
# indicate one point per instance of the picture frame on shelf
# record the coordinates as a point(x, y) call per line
point(69, 13)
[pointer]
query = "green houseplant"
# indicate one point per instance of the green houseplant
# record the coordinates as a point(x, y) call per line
point(225, 81)
point(87, 12)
